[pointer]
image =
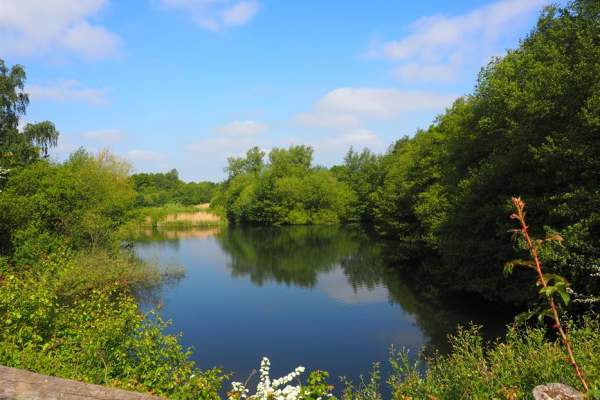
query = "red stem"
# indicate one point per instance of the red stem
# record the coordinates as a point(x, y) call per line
point(520, 216)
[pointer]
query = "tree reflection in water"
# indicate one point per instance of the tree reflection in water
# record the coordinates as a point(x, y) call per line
point(305, 256)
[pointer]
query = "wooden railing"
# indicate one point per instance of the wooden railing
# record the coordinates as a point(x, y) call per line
point(19, 384)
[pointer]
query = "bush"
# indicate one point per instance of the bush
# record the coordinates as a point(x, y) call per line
point(82, 201)
point(73, 316)
point(507, 369)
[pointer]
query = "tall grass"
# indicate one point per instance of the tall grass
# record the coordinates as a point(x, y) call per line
point(506, 369)
point(170, 216)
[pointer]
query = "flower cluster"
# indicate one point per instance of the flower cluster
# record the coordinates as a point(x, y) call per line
point(267, 389)
point(3, 174)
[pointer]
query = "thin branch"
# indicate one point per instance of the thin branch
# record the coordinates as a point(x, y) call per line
point(520, 216)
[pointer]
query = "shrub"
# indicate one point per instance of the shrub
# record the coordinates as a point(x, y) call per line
point(505, 369)
point(74, 316)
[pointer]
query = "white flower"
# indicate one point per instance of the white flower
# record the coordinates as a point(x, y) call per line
point(238, 390)
point(265, 389)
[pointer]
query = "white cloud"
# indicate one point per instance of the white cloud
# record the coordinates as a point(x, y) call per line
point(420, 72)
point(106, 135)
point(335, 285)
point(381, 103)
point(145, 155)
point(222, 146)
point(240, 13)
point(358, 139)
point(30, 27)
point(232, 139)
point(65, 147)
point(92, 42)
point(214, 145)
point(67, 90)
point(217, 15)
point(439, 46)
point(323, 119)
point(237, 128)
point(346, 108)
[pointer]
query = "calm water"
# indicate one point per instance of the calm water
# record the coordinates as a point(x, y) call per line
point(321, 297)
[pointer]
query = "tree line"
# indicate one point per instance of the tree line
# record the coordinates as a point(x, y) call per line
point(530, 128)
point(287, 189)
point(160, 188)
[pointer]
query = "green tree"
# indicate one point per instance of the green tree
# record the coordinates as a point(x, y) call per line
point(251, 164)
point(363, 172)
point(286, 190)
point(81, 201)
point(530, 128)
point(20, 147)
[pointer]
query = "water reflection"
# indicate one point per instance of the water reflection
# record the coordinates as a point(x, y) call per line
point(174, 235)
point(327, 297)
point(290, 255)
point(321, 256)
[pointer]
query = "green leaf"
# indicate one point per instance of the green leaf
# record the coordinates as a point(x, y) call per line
point(548, 291)
point(523, 317)
point(543, 314)
point(564, 295)
point(510, 265)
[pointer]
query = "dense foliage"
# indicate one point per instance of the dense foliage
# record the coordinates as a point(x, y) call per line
point(477, 370)
point(67, 304)
point(286, 190)
point(363, 172)
point(158, 189)
point(530, 129)
point(73, 317)
point(82, 201)
point(20, 146)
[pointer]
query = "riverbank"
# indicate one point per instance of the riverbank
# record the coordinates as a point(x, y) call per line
point(172, 216)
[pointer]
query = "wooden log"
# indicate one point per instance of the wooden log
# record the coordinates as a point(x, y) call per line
point(18, 384)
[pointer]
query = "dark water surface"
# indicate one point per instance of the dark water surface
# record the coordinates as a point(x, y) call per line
point(322, 297)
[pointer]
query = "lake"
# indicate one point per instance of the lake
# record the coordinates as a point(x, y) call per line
point(324, 297)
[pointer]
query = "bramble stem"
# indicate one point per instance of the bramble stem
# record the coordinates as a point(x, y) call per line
point(520, 216)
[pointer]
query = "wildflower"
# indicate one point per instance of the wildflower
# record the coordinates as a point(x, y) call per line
point(267, 389)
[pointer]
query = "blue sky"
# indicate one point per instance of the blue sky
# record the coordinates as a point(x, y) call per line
point(187, 83)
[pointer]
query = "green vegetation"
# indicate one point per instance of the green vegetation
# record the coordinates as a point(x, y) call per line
point(67, 304)
point(530, 128)
point(82, 201)
point(169, 216)
point(163, 200)
point(507, 369)
point(159, 189)
point(19, 147)
point(553, 286)
point(64, 317)
point(286, 190)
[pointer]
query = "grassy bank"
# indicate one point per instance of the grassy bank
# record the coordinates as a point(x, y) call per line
point(173, 216)
point(506, 369)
